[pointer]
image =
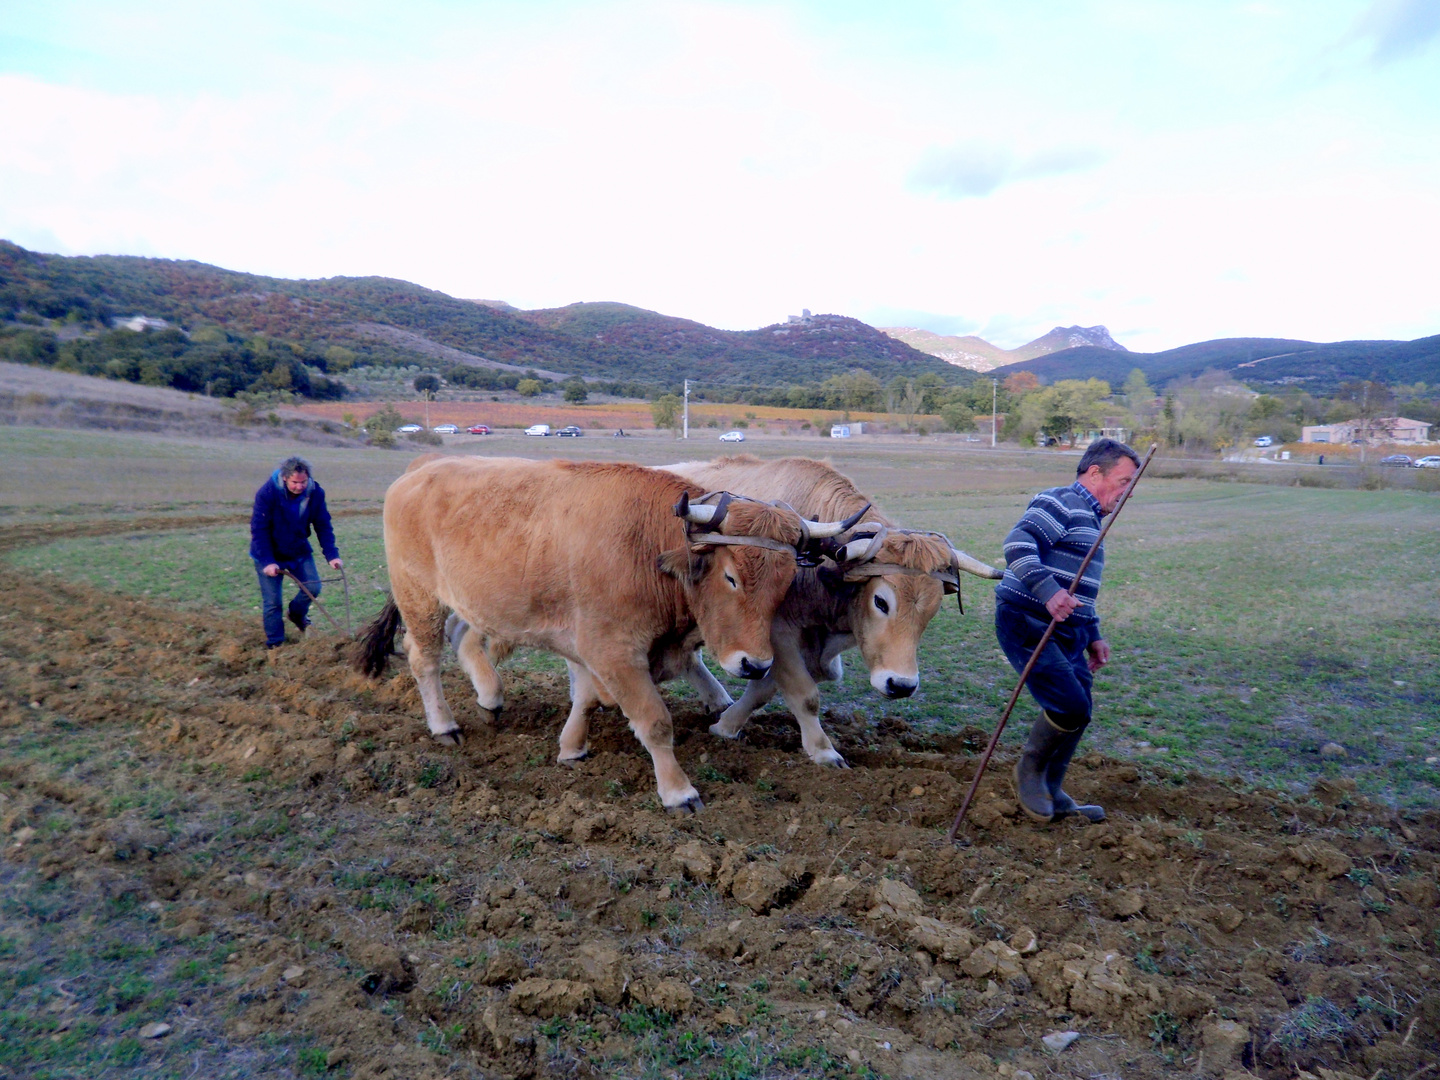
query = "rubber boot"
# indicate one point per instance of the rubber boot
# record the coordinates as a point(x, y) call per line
point(1055, 769)
point(1031, 786)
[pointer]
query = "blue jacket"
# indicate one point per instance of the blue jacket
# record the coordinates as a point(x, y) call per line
point(280, 523)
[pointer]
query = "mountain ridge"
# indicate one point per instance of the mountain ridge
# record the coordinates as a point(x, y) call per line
point(632, 343)
point(977, 354)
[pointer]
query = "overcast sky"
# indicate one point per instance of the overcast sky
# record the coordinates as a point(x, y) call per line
point(1175, 171)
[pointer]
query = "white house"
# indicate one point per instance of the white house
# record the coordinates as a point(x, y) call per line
point(1381, 431)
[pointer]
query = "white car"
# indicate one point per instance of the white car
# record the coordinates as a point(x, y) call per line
point(1264, 440)
point(408, 429)
point(733, 436)
point(1429, 461)
point(538, 429)
point(446, 429)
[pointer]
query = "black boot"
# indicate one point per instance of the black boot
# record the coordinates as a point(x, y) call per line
point(1055, 776)
point(1031, 786)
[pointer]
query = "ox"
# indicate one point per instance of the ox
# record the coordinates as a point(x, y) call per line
point(885, 587)
point(586, 560)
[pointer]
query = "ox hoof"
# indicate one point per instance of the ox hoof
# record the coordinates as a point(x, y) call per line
point(575, 759)
point(718, 728)
point(453, 738)
point(831, 759)
point(691, 805)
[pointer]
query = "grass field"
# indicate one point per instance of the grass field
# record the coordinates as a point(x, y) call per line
point(267, 855)
point(1251, 624)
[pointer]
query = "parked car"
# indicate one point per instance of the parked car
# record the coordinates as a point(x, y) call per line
point(479, 429)
point(445, 429)
point(1264, 440)
point(408, 429)
point(1402, 461)
point(1429, 461)
point(733, 436)
point(538, 429)
point(570, 431)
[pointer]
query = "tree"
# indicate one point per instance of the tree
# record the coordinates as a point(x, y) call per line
point(426, 384)
point(1137, 389)
point(957, 416)
point(666, 411)
point(576, 392)
point(529, 387)
point(1022, 382)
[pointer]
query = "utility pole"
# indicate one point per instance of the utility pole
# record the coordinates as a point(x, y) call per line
point(686, 434)
point(994, 392)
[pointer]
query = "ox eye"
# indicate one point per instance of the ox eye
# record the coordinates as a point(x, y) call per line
point(730, 580)
point(882, 605)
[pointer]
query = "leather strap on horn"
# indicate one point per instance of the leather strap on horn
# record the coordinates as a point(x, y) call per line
point(868, 570)
point(739, 541)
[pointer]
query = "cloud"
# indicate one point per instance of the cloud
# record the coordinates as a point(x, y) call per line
point(1399, 27)
point(974, 170)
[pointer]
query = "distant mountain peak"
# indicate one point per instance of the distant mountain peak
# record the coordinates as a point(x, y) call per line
point(1069, 337)
point(977, 354)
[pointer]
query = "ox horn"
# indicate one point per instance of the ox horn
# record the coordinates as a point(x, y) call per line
point(972, 565)
point(823, 529)
point(701, 514)
point(861, 549)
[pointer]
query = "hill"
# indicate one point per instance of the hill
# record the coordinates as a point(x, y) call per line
point(1317, 367)
point(978, 354)
point(385, 321)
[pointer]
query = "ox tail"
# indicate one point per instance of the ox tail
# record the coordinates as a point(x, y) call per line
point(376, 641)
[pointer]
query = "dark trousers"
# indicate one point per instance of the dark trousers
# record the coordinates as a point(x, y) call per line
point(271, 595)
point(1060, 681)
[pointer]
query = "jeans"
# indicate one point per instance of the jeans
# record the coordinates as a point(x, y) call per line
point(271, 594)
point(1060, 681)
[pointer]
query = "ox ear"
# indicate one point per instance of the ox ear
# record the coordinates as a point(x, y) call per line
point(685, 564)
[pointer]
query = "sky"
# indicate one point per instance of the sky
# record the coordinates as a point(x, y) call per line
point(1176, 171)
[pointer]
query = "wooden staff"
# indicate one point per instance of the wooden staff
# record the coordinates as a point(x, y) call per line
point(1044, 640)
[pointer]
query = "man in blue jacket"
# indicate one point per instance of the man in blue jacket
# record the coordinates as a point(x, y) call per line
point(1043, 552)
point(287, 506)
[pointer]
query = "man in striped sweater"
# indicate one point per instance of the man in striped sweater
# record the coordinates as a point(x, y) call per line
point(1043, 552)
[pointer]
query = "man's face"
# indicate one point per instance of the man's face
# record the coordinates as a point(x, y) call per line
point(296, 481)
point(1108, 487)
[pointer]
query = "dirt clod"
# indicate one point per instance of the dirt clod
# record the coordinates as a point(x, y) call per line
point(551, 997)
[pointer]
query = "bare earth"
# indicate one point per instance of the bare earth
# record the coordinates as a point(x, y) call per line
point(484, 912)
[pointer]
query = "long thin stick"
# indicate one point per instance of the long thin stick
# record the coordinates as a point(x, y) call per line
point(314, 600)
point(1044, 640)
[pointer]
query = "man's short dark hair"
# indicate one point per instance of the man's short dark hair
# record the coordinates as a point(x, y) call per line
point(291, 465)
point(1105, 453)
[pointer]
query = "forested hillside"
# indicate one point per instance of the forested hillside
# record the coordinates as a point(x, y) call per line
point(60, 310)
point(1257, 362)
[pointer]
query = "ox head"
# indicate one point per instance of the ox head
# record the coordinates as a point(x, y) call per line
point(896, 579)
point(735, 567)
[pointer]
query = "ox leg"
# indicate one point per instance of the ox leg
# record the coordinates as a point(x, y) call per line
point(584, 697)
point(802, 696)
point(475, 662)
point(642, 705)
point(713, 695)
point(423, 642)
point(757, 693)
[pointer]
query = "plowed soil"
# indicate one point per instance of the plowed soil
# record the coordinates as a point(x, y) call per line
point(485, 911)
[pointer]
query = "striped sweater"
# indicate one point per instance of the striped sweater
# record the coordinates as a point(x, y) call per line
point(1045, 549)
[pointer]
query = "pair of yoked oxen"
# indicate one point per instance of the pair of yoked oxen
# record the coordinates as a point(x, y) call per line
point(775, 566)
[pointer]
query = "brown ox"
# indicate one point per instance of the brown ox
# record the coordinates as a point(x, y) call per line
point(584, 559)
point(880, 600)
